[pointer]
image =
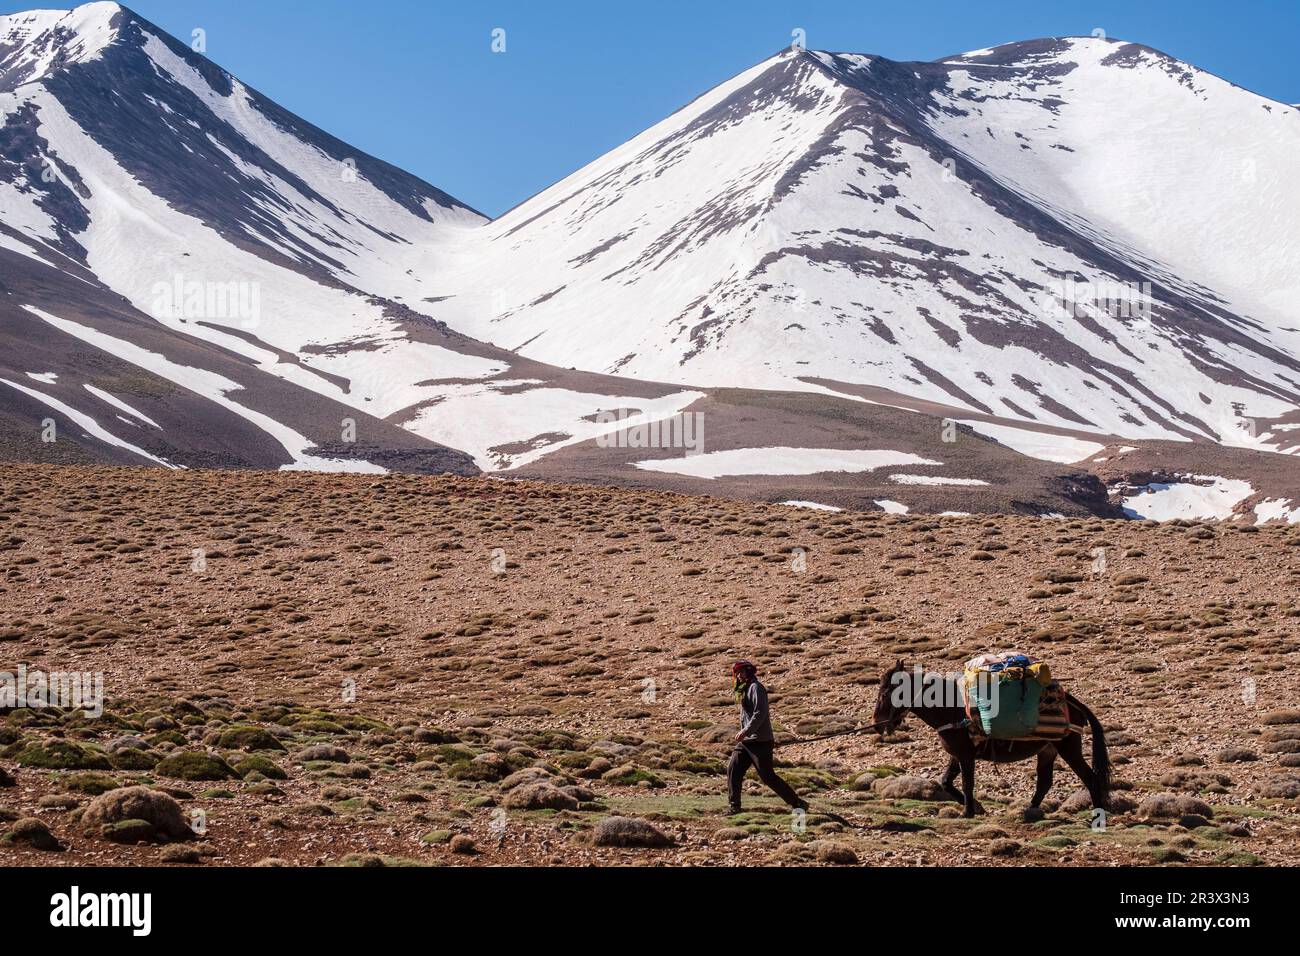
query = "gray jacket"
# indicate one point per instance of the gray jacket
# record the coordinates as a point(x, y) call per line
point(755, 719)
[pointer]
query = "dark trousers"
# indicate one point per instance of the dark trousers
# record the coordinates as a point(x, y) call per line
point(759, 755)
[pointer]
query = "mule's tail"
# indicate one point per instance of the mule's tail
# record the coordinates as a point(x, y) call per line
point(1100, 755)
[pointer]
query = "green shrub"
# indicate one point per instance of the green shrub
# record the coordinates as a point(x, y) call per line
point(195, 765)
point(61, 755)
point(256, 763)
point(248, 738)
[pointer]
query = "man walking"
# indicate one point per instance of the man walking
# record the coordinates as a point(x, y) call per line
point(755, 741)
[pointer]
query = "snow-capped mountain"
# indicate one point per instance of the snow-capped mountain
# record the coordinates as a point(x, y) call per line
point(248, 264)
point(941, 230)
point(156, 121)
point(1058, 243)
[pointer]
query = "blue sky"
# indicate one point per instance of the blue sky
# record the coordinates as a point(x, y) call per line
point(415, 82)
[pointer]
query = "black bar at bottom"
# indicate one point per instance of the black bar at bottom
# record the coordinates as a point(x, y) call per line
point(332, 905)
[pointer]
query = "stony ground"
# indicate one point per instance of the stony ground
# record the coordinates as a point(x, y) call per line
point(353, 670)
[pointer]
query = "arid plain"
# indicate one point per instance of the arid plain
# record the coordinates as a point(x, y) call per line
point(318, 670)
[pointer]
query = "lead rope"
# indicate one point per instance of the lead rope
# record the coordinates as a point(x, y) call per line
point(839, 733)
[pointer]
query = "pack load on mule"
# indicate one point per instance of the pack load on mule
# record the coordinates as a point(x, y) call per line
point(1012, 696)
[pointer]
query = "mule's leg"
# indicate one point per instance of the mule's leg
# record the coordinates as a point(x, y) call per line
point(967, 759)
point(1071, 751)
point(954, 767)
point(1046, 759)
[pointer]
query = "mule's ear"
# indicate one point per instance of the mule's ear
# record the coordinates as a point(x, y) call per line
point(900, 666)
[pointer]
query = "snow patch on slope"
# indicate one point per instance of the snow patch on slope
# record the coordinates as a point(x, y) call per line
point(92, 427)
point(1277, 509)
point(1202, 496)
point(1046, 447)
point(506, 424)
point(934, 480)
point(213, 387)
point(780, 461)
point(816, 506)
point(120, 405)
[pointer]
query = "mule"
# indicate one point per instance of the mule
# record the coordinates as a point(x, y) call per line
point(964, 748)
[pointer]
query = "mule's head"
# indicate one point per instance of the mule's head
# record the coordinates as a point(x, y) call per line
point(888, 715)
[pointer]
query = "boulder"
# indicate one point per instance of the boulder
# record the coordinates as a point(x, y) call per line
point(32, 833)
point(160, 812)
point(539, 796)
point(629, 832)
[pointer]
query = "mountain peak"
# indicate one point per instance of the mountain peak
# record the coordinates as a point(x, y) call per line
point(1005, 234)
point(852, 214)
point(97, 11)
point(1055, 50)
point(36, 42)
